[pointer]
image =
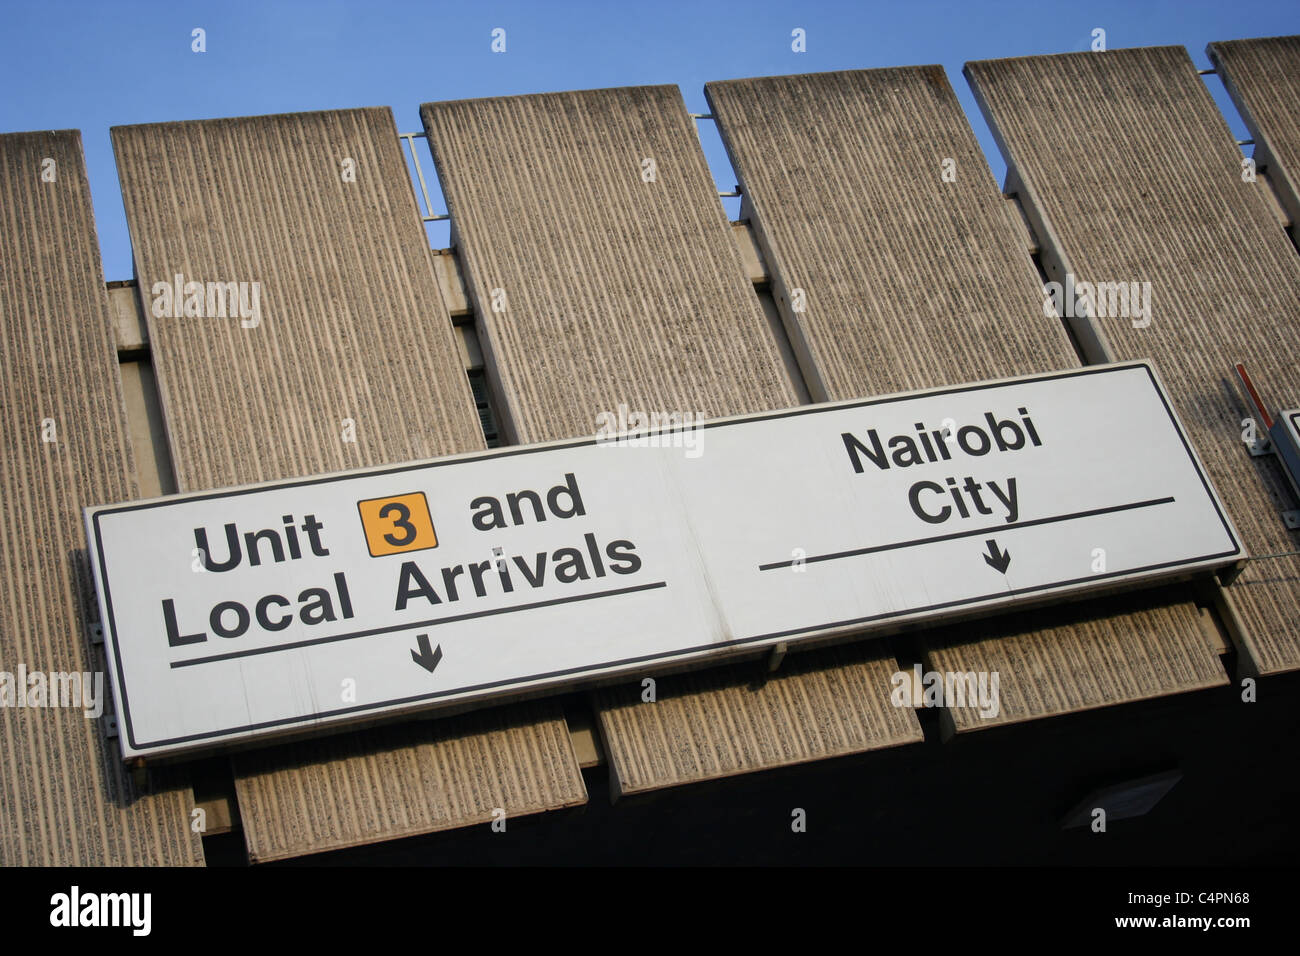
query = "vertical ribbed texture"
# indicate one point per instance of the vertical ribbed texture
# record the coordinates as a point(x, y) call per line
point(615, 289)
point(437, 775)
point(1263, 78)
point(1075, 657)
point(64, 797)
point(353, 327)
point(618, 290)
point(910, 281)
point(1136, 176)
point(727, 721)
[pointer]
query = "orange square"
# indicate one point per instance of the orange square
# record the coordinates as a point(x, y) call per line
point(397, 524)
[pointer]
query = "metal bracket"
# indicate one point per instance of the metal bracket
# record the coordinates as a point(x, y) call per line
point(1230, 574)
point(428, 215)
point(139, 773)
point(1280, 437)
point(110, 726)
point(776, 656)
point(97, 634)
point(1260, 449)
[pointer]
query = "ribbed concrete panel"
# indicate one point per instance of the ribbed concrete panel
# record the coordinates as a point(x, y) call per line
point(623, 290)
point(406, 780)
point(1263, 78)
point(612, 289)
point(352, 324)
point(64, 798)
point(705, 724)
point(1066, 659)
point(911, 281)
point(1136, 178)
point(352, 327)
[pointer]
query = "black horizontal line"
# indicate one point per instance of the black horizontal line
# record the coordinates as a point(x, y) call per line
point(966, 534)
point(417, 624)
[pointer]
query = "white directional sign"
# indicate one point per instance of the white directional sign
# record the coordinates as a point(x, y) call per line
point(301, 604)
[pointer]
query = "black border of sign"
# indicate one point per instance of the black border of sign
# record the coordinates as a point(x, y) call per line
point(305, 723)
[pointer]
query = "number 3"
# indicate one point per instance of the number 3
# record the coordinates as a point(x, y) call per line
point(402, 521)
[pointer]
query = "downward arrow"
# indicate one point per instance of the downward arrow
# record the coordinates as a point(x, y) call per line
point(426, 658)
point(997, 559)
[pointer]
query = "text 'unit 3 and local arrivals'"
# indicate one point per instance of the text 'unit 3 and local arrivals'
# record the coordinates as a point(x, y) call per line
point(418, 582)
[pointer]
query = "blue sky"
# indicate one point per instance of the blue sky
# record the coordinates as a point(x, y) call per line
point(92, 65)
